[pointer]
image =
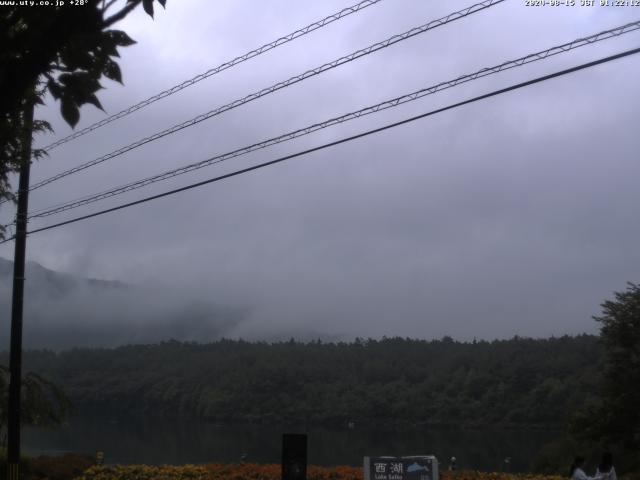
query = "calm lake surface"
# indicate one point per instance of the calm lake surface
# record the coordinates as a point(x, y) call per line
point(154, 441)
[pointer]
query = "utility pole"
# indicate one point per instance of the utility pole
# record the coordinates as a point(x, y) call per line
point(15, 356)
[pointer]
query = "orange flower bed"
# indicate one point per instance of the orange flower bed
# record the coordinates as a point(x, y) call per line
point(474, 475)
point(252, 471)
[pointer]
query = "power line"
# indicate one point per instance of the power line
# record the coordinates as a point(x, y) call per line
point(533, 57)
point(278, 86)
point(213, 71)
point(344, 140)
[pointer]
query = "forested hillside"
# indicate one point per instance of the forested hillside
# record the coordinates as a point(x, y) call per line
point(60, 304)
point(517, 381)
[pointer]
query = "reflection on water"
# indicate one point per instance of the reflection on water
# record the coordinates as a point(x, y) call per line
point(154, 441)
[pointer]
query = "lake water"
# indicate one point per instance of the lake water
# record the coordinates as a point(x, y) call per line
point(154, 441)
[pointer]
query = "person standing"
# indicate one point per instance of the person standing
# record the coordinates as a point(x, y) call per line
point(576, 472)
point(605, 470)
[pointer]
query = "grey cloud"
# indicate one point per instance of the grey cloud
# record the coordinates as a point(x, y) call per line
point(510, 216)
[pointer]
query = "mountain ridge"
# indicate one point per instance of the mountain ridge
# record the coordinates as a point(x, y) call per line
point(63, 310)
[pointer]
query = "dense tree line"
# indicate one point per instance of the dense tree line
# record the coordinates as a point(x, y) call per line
point(393, 380)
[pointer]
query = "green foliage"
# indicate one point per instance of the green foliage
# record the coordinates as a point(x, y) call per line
point(612, 419)
point(553, 458)
point(392, 381)
point(64, 50)
point(620, 333)
point(43, 403)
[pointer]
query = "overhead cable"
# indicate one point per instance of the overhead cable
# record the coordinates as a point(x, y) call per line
point(533, 57)
point(213, 71)
point(343, 140)
point(278, 86)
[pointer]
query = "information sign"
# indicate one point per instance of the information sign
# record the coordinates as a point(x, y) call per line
point(415, 467)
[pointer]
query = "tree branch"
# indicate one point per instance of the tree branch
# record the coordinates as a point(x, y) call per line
point(116, 17)
point(108, 5)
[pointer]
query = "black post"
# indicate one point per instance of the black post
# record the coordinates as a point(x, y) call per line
point(15, 357)
point(294, 456)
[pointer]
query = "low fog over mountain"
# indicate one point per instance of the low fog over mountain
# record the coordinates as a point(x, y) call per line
point(63, 311)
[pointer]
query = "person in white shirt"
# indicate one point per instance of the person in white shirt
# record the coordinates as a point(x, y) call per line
point(605, 470)
point(576, 472)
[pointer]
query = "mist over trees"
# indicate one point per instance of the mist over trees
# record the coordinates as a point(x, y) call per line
point(65, 311)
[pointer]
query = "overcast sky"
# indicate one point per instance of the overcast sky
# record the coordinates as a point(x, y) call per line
point(515, 215)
